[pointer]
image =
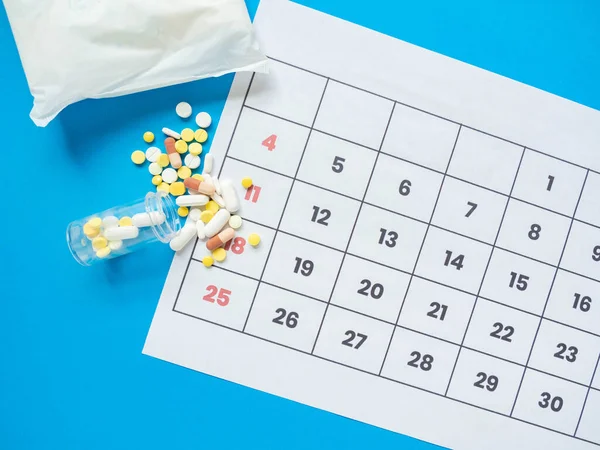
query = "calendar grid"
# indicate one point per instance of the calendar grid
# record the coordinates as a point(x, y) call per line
point(412, 275)
point(587, 394)
point(549, 294)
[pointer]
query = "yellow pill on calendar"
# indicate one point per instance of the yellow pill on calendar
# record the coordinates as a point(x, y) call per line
point(219, 254)
point(208, 261)
point(254, 239)
point(246, 182)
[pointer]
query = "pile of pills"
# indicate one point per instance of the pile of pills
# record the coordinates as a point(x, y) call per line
point(111, 233)
point(210, 206)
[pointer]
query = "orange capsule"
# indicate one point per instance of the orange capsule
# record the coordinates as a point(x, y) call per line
point(174, 156)
point(220, 239)
point(203, 187)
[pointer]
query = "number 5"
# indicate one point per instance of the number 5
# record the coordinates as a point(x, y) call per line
point(338, 164)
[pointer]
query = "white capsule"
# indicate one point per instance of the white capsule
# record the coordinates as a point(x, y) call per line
point(203, 119)
point(217, 223)
point(109, 222)
point(115, 245)
point(208, 164)
point(200, 230)
point(232, 201)
point(185, 235)
point(121, 233)
point(218, 199)
point(217, 185)
point(174, 134)
point(169, 175)
point(183, 110)
point(192, 200)
point(148, 219)
point(192, 161)
point(155, 168)
point(152, 154)
point(194, 214)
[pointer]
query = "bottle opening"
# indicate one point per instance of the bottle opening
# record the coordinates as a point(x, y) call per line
point(164, 204)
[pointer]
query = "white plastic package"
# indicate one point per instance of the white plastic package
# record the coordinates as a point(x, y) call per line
point(77, 49)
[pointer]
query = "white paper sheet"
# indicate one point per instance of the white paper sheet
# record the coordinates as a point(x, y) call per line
point(429, 232)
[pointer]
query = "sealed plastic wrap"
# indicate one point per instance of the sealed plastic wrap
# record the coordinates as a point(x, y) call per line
point(77, 49)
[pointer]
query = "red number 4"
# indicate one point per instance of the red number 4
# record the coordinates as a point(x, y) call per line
point(222, 296)
point(270, 142)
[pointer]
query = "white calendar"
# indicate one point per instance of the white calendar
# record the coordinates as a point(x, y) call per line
point(430, 255)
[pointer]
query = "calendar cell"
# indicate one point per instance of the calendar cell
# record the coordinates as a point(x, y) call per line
point(420, 137)
point(549, 182)
point(241, 257)
point(268, 142)
point(501, 331)
point(354, 114)
point(370, 289)
point(420, 360)
point(353, 339)
point(575, 300)
point(285, 318)
point(582, 253)
point(337, 165)
point(288, 92)
point(549, 401)
point(387, 238)
point(534, 232)
point(565, 352)
point(302, 266)
point(469, 210)
point(485, 381)
point(436, 310)
point(485, 160)
point(588, 426)
point(403, 187)
point(214, 298)
point(453, 260)
point(264, 201)
point(588, 209)
point(320, 215)
point(517, 281)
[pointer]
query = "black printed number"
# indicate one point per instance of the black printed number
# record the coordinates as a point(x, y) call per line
point(368, 288)
point(324, 213)
point(438, 311)
point(305, 267)
point(534, 232)
point(390, 235)
point(555, 403)
point(404, 188)
point(423, 362)
point(291, 318)
point(350, 341)
point(550, 182)
point(502, 332)
point(457, 262)
point(338, 164)
point(518, 281)
point(571, 351)
point(596, 254)
point(472, 208)
point(485, 381)
point(583, 303)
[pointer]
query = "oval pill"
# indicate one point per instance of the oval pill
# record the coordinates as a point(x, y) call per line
point(183, 211)
point(208, 261)
point(220, 239)
point(169, 175)
point(203, 187)
point(174, 157)
point(145, 219)
point(183, 110)
point(181, 146)
point(200, 230)
point(229, 194)
point(216, 224)
point(235, 222)
point(192, 161)
point(201, 136)
point(186, 234)
point(208, 163)
point(121, 233)
point(203, 120)
point(148, 137)
point(138, 157)
point(192, 200)
point(157, 180)
point(174, 134)
point(177, 189)
point(218, 200)
point(125, 221)
point(155, 168)
point(219, 254)
point(163, 160)
point(254, 239)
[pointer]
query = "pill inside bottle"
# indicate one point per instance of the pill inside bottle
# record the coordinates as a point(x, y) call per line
point(100, 237)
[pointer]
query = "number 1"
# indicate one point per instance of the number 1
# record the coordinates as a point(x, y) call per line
point(550, 181)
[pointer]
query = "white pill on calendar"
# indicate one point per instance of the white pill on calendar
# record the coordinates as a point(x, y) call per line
point(183, 110)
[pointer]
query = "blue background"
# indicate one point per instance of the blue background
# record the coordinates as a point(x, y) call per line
point(72, 375)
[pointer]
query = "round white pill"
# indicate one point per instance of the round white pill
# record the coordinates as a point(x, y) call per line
point(235, 222)
point(152, 154)
point(155, 168)
point(169, 175)
point(110, 221)
point(203, 119)
point(194, 214)
point(115, 245)
point(193, 162)
point(183, 110)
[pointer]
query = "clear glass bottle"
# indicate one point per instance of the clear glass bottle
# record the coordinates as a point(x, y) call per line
point(90, 241)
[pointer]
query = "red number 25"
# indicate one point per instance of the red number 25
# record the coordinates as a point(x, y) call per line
point(222, 296)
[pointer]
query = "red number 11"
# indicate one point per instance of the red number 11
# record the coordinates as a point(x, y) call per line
point(252, 193)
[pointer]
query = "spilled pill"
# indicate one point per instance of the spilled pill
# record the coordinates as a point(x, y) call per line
point(194, 214)
point(177, 189)
point(155, 168)
point(181, 146)
point(208, 261)
point(184, 172)
point(232, 201)
point(163, 187)
point(187, 135)
point(163, 160)
point(203, 187)
point(157, 180)
point(174, 134)
point(169, 175)
point(219, 254)
point(195, 148)
point(200, 230)
point(218, 200)
point(148, 137)
point(192, 161)
point(208, 164)
point(235, 222)
point(212, 206)
point(192, 200)
point(206, 216)
point(201, 136)
point(174, 157)
point(220, 239)
point(203, 120)
point(254, 239)
point(138, 157)
point(183, 211)
point(152, 154)
point(217, 223)
point(186, 234)
point(183, 110)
